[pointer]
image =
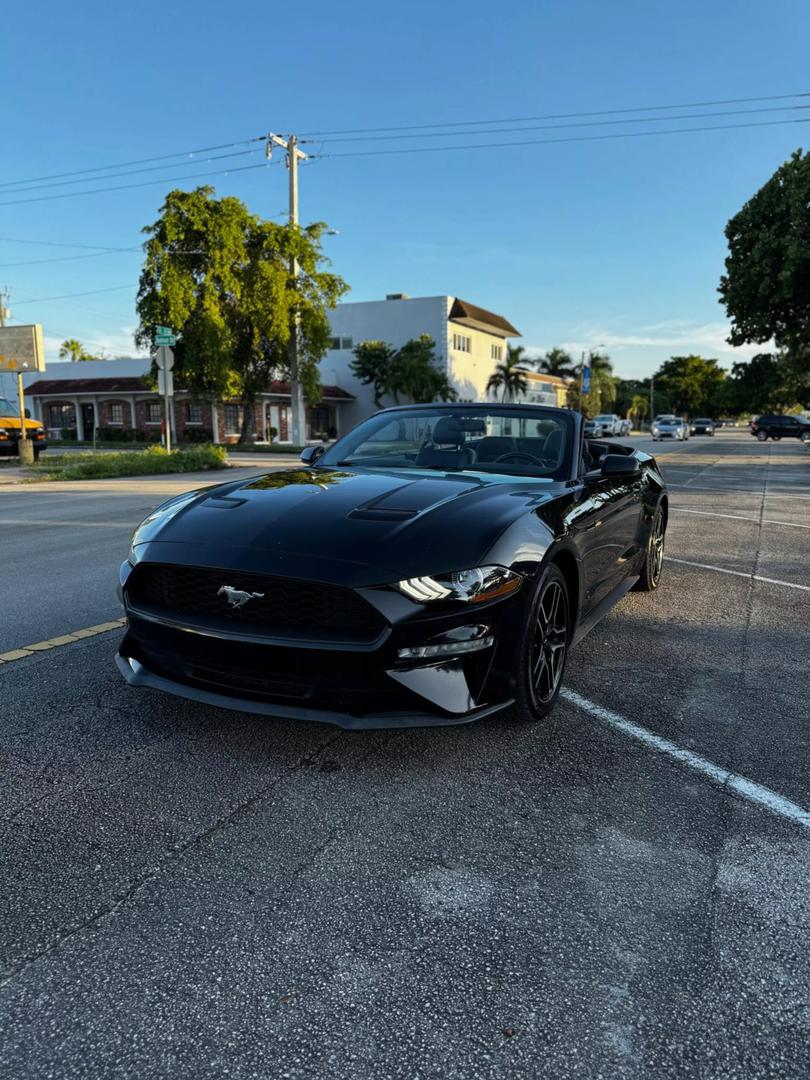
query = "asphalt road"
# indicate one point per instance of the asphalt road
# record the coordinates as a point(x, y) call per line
point(622, 891)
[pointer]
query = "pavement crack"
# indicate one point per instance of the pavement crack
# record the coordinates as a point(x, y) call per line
point(173, 855)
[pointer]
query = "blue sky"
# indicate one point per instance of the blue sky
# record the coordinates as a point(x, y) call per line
point(614, 241)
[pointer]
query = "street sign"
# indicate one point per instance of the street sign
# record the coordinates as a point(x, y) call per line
point(165, 336)
point(165, 382)
point(164, 358)
point(586, 379)
point(21, 348)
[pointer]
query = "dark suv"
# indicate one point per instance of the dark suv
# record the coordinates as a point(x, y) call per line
point(778, 427)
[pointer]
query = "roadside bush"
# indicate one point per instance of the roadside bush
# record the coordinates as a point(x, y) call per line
point(149, 462)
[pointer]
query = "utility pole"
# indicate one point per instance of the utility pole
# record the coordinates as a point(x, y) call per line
point(294, 155)
point(652, 400)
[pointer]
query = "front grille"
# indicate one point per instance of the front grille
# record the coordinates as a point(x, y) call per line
point(285, 606)
point(329, 679)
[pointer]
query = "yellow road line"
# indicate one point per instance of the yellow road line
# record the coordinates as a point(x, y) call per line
point(63, 639)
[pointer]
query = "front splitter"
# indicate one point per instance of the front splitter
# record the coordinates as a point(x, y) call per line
point(137, 675)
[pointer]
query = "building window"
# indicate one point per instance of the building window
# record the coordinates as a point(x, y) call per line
point(115, 413)
point(61, 415)
point(462, 343)
point(193, 413)
point(153, 413)
point(232, 417)
point(496, 352)
point(341, 343)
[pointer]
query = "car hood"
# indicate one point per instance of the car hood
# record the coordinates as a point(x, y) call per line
point(353, 526)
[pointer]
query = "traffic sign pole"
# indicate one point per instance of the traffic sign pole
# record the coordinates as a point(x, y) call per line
point(165, 362)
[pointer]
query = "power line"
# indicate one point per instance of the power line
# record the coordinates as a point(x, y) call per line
point(561, 127)
point(137, 161)
point(70, 258)
point(115, 176)
point(540, 142)
point(561, 116)
point(69, 296)
point(142, 183)
point(59, 243)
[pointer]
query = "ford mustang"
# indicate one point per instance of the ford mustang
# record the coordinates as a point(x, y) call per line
point(435, 565)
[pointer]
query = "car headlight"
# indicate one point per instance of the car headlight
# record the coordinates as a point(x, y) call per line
point(469, 586)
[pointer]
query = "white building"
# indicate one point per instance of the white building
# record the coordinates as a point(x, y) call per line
point(470, 341)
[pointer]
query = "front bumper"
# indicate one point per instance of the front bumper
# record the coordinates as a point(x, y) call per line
point(357, 686)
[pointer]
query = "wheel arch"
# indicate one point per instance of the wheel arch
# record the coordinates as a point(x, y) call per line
point(567, 563)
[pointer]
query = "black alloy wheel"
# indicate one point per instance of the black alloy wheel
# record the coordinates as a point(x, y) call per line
point(762, 436)
point(543, 649)
point(653, 566)
point(550, 642)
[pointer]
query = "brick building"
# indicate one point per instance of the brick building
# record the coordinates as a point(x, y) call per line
point(124, 405)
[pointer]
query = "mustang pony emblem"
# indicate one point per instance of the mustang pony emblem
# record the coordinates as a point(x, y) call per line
point(237, 598)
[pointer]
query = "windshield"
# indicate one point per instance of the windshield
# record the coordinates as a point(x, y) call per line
point(604, 416)
point(522, 441)
point(703, 420)
point(7, 409)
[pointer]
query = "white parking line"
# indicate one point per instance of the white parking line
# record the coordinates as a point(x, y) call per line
point(730, 781)
point(738, 573)
point(738, 517)
point(741, 491)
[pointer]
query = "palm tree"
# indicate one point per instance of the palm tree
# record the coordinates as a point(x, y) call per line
point(509, 377)
point(557, 362)
point(75, 350)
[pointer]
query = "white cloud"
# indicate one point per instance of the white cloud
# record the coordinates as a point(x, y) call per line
point(640, 349)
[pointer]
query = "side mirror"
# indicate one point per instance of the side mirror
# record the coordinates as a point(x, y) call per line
point(310, 454)
point(620, 465)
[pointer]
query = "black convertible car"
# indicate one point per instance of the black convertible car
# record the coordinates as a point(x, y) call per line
point(434, 565)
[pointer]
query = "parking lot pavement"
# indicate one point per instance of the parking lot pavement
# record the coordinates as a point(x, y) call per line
point(622, 891)
point(62, 544)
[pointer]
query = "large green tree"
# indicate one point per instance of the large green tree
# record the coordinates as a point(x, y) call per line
point(220, 276)
point(509, 376)
point(410, 372)
point(766, 286)
point(693, 385)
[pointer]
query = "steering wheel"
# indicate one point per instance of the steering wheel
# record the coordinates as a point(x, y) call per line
point(532, 460)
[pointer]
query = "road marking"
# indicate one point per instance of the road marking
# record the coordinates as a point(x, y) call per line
point(738, 573)
point(63, 639)
point(72, 524)
point(729, 781)
point(741, 491)
point(738, 517)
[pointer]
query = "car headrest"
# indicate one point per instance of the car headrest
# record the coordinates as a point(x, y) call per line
point(448, 431)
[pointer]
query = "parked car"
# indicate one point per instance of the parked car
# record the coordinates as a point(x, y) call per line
point(776, 426)
point(611, 423)
point(433, 566)
point(670, 427)
point(703, 426)
point(594, 429)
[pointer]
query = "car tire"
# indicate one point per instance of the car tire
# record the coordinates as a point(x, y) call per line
point(542, 651)
point(776, 438)
point(805, 437)
point(653, 566)
point(762, 436)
